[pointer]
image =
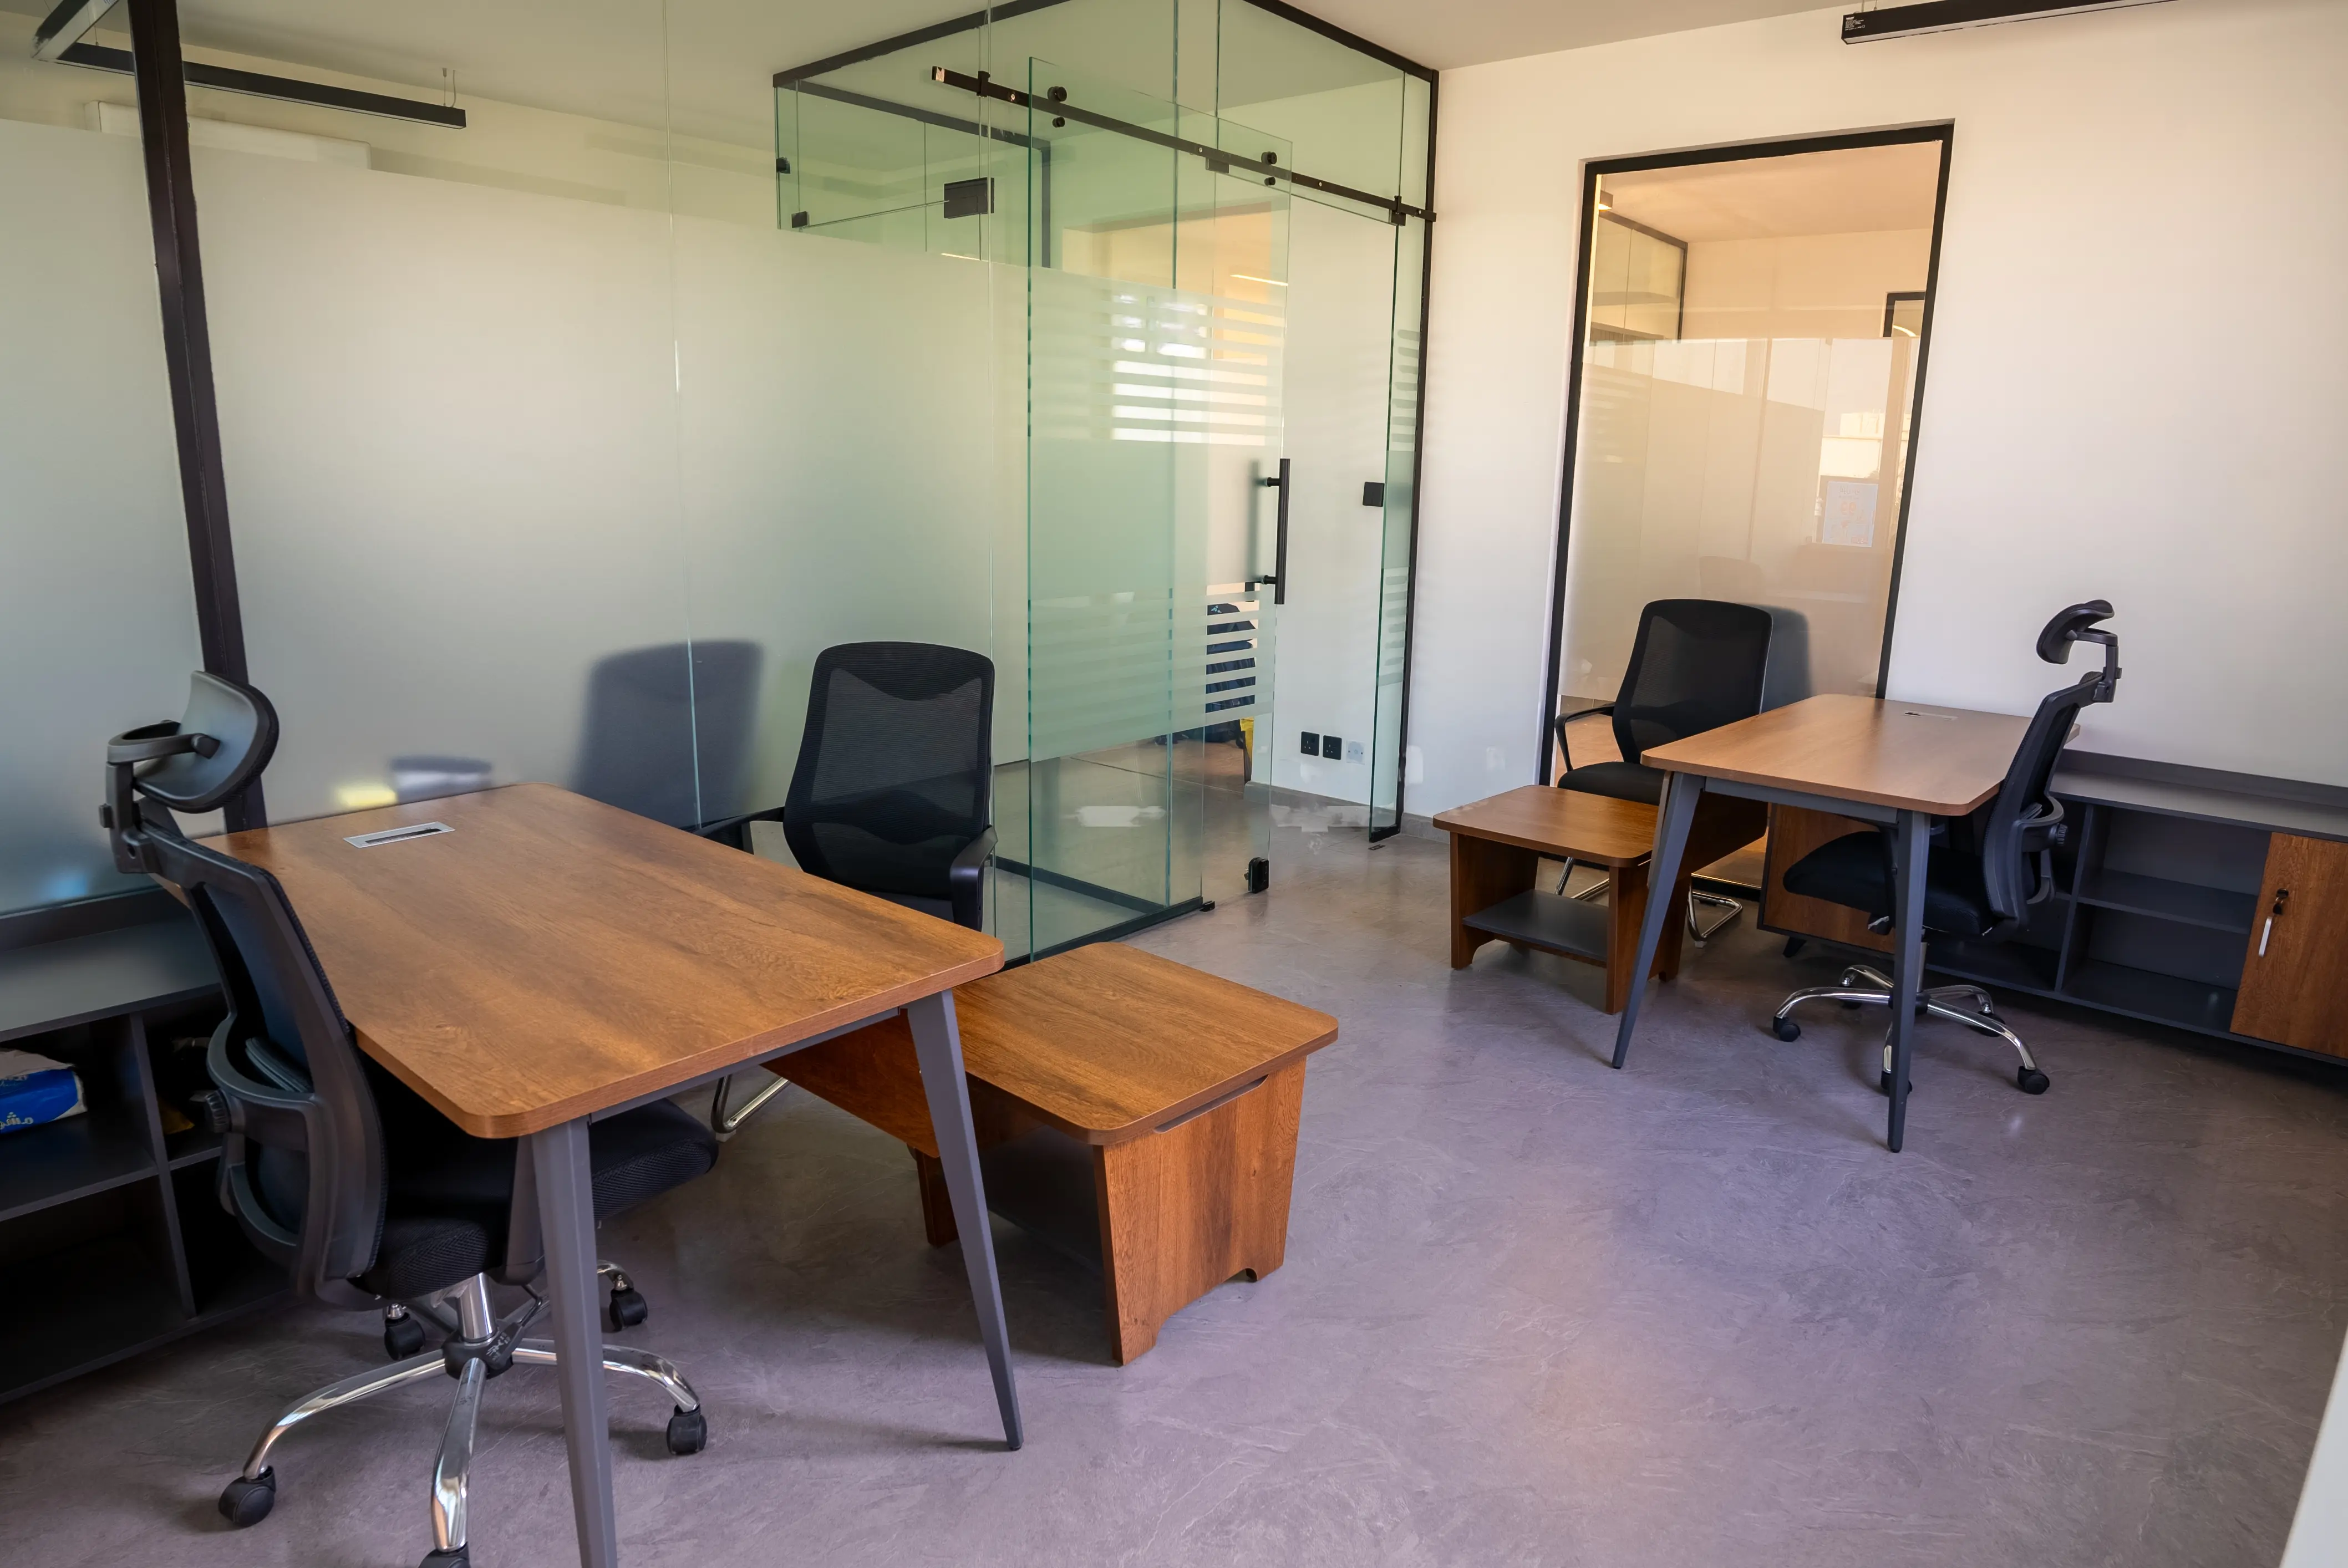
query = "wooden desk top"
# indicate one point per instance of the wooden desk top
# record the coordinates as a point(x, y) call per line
point(554, 956)
point(1557, 821)
point(1910, 756)
point(1105, 1042)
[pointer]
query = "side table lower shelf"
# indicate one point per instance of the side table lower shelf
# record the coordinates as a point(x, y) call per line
point(1549, 921)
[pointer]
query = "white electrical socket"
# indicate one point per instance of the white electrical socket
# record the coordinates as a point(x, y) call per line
point(1356, 753)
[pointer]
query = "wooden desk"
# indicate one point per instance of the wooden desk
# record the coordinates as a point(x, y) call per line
point(552, 960)
point(1904, 763)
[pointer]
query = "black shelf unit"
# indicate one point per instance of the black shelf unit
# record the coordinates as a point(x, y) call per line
point(109, 1223)
point(2158, 894)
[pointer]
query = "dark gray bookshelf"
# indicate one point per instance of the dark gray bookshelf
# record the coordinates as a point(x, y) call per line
point(2158, 895)
point(109, 1223)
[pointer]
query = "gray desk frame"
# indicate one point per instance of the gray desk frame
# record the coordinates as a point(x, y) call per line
point(554, 1182)
point(1911, 839)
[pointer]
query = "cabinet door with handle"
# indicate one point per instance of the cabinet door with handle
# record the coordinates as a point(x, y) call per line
point(2295, 972)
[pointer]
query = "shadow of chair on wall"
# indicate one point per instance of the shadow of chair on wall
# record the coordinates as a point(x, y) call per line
point(668, 730)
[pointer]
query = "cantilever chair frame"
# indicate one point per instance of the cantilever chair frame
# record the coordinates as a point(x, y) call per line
point(1698, 932)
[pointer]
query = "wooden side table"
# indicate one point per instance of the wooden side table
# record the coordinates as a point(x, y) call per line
point(1135, 1114)
point(1497, 845)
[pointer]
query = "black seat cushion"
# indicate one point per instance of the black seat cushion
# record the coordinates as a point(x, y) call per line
point(1623, 781)
point(1853, 871)
point(448, 1193)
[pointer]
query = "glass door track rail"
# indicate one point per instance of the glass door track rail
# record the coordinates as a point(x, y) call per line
point(1217, 160)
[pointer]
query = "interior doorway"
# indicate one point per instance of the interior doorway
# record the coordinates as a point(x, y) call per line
point(1750, 351)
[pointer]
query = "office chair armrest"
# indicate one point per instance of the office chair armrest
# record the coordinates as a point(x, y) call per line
point(1558, 724)
point(966, 881)
point(734, 832)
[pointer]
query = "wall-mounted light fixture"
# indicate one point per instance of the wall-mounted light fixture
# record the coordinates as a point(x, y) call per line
point(1947, 15)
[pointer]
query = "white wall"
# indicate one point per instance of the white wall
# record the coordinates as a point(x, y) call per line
point(2319, 1536)
point(2123, 401)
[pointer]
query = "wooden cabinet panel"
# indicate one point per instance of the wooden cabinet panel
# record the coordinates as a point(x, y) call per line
point(2295, 971)
point(1794, 832)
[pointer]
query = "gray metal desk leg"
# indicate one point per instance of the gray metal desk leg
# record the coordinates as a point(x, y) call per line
point(566, 1208)
point(1912, 834)
point(1672, 824)
point(937, 1044)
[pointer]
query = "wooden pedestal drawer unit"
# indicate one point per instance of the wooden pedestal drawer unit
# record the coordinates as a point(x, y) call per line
point(2295, 976)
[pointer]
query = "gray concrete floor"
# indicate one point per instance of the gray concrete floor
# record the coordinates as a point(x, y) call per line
point(1533, 1312)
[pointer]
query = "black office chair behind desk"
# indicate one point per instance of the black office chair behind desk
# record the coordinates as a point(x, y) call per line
point(1983, 875)
point(1696, 665)
point(892, 791)
point(336, 1170)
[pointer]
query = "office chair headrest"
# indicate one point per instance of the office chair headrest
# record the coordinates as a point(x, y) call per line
point(220, 744)
point(2078, 624)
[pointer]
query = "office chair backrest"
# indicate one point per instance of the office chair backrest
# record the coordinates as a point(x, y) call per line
point(199, 764)
point(1698, 663)
point(895, 766)
point(2023, 821)
point(303, 1169)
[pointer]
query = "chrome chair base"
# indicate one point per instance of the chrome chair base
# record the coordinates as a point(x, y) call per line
point(479, 1347)
point(1866, 986)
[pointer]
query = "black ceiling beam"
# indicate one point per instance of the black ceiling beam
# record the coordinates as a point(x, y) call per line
point(258, 85)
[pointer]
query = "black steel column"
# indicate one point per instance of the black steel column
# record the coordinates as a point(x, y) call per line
point(188, 350)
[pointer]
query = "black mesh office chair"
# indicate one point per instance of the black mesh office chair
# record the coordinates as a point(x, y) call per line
point(892, 791)
point(332, 1167)
point(1983, 875)
point(1697, 664)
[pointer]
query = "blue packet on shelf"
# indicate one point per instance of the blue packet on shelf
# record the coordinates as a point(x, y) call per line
point(33, 1091)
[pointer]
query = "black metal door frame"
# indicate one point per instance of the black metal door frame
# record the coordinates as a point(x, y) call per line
point(1943, 131)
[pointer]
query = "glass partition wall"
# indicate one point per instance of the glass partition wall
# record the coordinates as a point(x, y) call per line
point(1206, 230)
point(571, 409)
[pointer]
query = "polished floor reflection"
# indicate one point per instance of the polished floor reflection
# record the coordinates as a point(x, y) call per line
point(1534, 1312)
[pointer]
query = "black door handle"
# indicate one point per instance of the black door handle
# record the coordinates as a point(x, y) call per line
point(1279, 578)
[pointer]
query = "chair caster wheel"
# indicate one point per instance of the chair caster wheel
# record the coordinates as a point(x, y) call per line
point(2031, 1080)
point(402, 1336)
point(628, 1307)
point(1883, 1084)
point(688, 1432)
point(1785, 1028)
point(454, 1557)
point(245, 1503)
point(1851, 1007)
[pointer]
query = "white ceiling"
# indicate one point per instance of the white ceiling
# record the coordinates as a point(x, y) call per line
point(1447, 33)
point(1861, 190)
point(712, 69)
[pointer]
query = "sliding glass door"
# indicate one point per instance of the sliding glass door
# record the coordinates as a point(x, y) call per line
point(1154, 395)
